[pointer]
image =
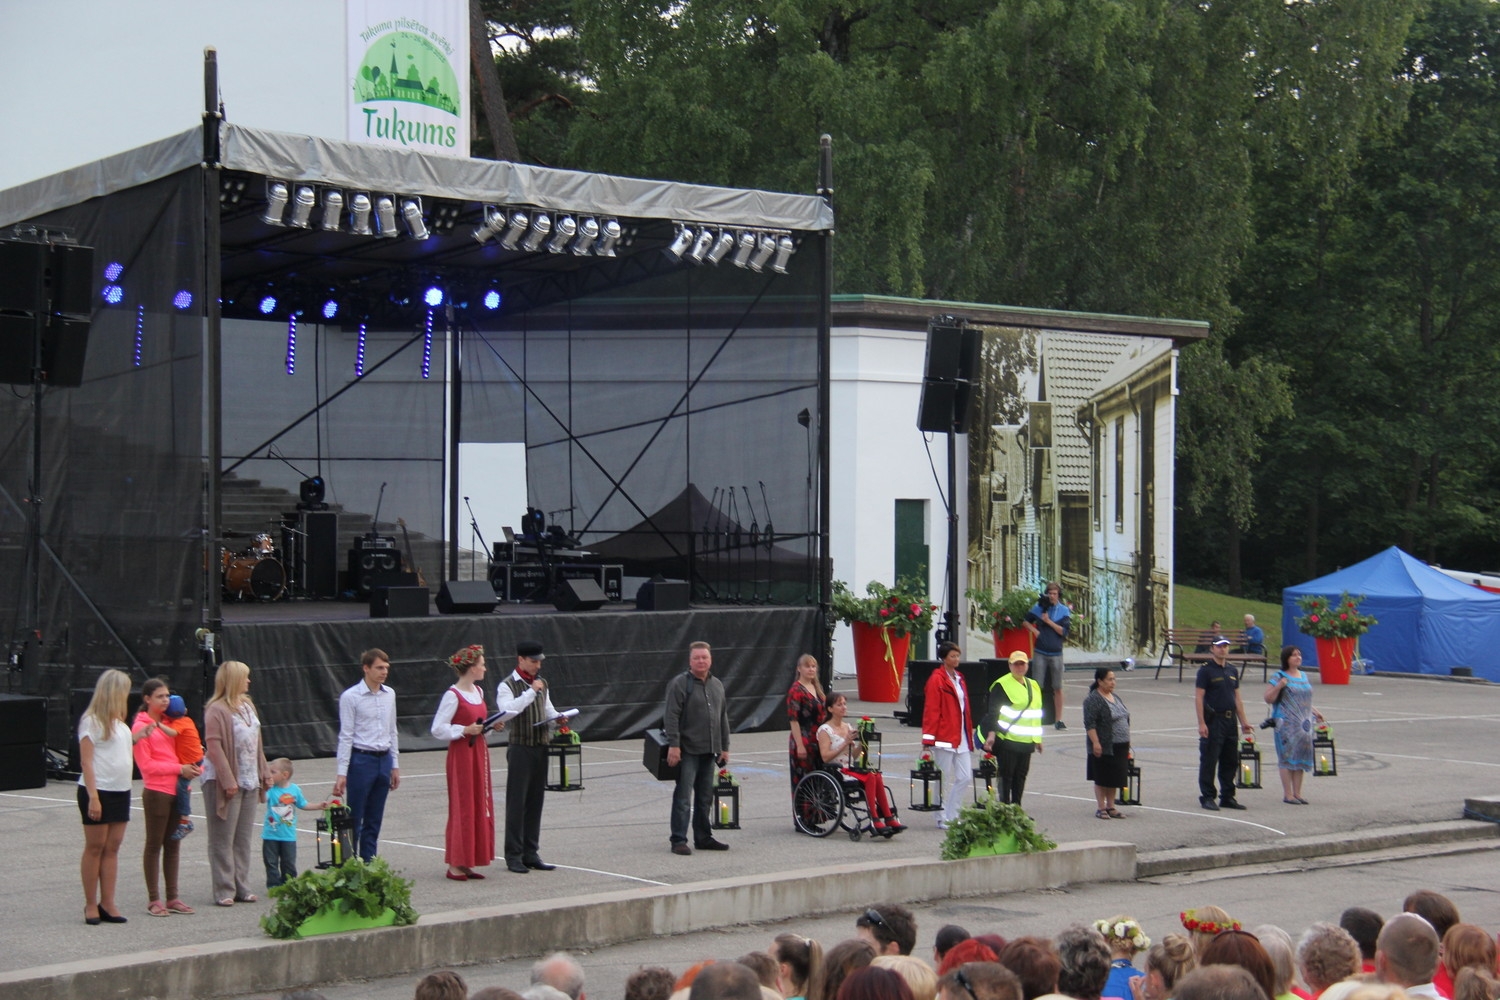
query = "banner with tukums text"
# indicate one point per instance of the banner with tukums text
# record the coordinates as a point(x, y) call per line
point(408, 74)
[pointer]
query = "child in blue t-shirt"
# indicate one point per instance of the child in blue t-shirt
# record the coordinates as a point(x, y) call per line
point(279, 833)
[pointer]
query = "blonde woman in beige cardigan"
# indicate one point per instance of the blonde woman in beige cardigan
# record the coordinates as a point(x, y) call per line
point(235, 779)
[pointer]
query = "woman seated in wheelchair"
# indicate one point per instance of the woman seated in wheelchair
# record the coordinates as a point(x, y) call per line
point(837, 744)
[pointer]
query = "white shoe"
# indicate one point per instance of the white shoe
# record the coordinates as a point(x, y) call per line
point(942, 824)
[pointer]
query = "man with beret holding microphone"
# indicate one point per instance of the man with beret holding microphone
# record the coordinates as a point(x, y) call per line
point(524, 695)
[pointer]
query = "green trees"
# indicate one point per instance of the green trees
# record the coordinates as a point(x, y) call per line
point(1317, 179)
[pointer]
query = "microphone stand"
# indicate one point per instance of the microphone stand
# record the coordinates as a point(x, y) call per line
point(474, 533)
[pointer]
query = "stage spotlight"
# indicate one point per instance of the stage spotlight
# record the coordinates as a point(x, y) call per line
point(333, 209)
point(113, 270)
point(268, 305)
point(785, 247)
point(588, 232)
point(445, 214)
point(411, 211)
point(494, 221)
point(277, 194)
point(330, 309)
point(359, 214)
point(183, 299)
point(541, 225)
point(721, 246)
point(433, 297)
point(746, 248)
point(562, 233)
point(763, 251)
point(681, 243)
point(385, 217)
point(291, 345)
point(519, 220)
point(312, 490)
point(302, 206)
point(232, 189)
point(492, 300)
point(701, 245)
point(113, 294)
point(609, 235)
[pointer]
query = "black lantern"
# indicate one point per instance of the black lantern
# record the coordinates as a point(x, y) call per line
point(726, 801)
point(867, 754)
point(1325, 758)
point(1248, 775)
point(565, 761)
point(984, 779)
point(926, 774)
point(1130, 793)
point(336, 826)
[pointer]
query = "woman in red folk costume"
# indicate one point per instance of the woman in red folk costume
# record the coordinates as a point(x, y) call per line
point(470, 841)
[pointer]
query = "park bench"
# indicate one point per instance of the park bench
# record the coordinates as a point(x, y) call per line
point(1181, 646)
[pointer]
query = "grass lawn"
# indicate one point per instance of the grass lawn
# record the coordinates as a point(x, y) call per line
point(1194, 608)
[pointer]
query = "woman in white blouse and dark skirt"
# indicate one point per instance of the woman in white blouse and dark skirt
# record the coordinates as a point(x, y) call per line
point(1107, 721)
point(470, 839)
point(104, 758)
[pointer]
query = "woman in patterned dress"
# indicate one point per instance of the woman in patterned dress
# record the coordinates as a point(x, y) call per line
point(470, 839)
point(1290, 694)
point(806, 709)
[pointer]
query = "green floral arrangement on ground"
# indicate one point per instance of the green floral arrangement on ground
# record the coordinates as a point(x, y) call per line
point(1324, 618)
point(365, 888)
point(904, 608)
point(1003, 612)
point(984, 824)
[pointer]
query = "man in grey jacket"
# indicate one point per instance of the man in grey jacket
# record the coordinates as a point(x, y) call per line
point(697, 727)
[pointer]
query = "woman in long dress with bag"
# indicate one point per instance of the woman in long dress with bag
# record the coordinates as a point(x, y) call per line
point(1290, 694)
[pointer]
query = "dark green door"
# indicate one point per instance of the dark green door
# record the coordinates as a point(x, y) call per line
point(913, 557)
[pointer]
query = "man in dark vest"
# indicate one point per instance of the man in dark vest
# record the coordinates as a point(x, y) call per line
point(524, 693)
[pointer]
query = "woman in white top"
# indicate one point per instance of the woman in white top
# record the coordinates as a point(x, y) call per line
point(836, 744)
point(104, 757)
point(470, 840)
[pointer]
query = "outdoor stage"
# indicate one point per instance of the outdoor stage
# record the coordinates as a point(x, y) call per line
point(612, 664)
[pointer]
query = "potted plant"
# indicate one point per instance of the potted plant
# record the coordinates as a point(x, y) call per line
point(354, 895)
point(883, 621)
point(993, 827)
point(1335, 627)
point(1005, 616)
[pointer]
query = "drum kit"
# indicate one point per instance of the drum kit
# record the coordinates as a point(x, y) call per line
point(255, 573)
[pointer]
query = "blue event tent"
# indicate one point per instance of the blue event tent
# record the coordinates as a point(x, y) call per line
point(1429, 622)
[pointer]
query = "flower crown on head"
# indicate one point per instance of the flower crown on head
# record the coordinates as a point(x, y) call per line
point(1190, 920)
point(466, 657)
point(1123, 930)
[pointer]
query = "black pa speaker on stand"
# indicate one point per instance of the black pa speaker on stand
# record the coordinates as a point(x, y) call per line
point(466, 597)
point(578, 595)
point(948, 378)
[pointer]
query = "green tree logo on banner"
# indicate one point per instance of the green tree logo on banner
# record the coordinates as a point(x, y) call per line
point(404, 66)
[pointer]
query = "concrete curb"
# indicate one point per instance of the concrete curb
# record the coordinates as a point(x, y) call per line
point(1189, 859)
point(461, 937)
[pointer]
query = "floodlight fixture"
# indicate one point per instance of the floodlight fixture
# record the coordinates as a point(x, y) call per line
point(785, 247)
point(495, 219)
point(113, 270)
point(433, 296)
point(232, 189)
point(113, 294)
point(746, 248)
point(333, 210)
point(267, 305)
point(303, 201)
point(763, 251)
point(541, 225)
point(359, 214)
point(722, 246)
point(411, 213)
point(277, 194)
point(609, 235)
point(519, 221)
point(330, 308)
point(444, 214)
point(183, 299)
point(681, 243)
point(562, 234)
point(492, 299)
point(385, 216)
point(701, 245)
point(588, 233)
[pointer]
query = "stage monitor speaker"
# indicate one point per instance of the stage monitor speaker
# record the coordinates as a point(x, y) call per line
point(466, 597)
point(322, 529)
point(23, 765)
point(578, 595)
point(662, 595)
point(398, 602)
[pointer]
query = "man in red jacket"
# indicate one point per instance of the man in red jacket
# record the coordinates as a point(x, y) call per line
point(948, 728)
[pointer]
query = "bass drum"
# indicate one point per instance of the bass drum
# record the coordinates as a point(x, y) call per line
point(247, 577)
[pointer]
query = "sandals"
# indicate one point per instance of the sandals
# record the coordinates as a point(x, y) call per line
point(248, 897)
point(178, 906)
point(226, 901)
point(1101, 814)
point(1115, 814)
point(158, 909)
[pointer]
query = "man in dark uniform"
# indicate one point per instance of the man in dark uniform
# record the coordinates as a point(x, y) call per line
point(525, 693)
point(1216, 695)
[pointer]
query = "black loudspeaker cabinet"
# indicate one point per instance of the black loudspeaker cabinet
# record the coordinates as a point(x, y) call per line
point(578, 595)
point(398, 602)
point(55, 283)
point(322, 527)
point(978, 676)
point(373, 568)
point(466, 597)
point(23, 741)
point(662, 595)
point(952, 365)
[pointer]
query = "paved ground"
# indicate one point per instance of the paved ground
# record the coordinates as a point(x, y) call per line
point(1410, 750)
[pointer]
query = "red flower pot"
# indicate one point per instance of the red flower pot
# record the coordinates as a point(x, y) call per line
point(1334, 659)
point(1008, 640)
point(879, 661)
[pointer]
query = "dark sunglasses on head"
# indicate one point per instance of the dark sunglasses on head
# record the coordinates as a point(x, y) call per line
point(962, 978)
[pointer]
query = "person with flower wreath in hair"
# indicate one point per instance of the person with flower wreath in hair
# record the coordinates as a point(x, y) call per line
point(1206, 923)
point(1125, 938)
point(469, 842)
